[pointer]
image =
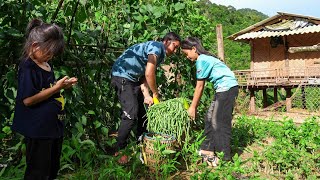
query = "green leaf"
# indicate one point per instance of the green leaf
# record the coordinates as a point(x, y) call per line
point(126, 25)
point(98, 14)
point(139, 18)
point(105, 131)
point(67, 166)
point(157, 14)
point(7, 130)
point(143, 9)
point(79, 127)
point(84, 120)
point(104, 18)
point(96, 3)
point(81, 14)
point(229, 177)
point(168, 151)
point(279, 161)
point(97, 124)
point(91, 112)
point(88, 142)
point(11, 94)
point(83, 2)
point(178, 6)
point(149, 8)
point(68, 10)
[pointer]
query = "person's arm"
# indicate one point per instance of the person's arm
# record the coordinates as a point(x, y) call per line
point(45, 94)
point(145, 91)
point(196, 98)
point(150, 74)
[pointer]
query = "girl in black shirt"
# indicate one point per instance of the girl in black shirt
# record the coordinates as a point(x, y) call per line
point(39, 109)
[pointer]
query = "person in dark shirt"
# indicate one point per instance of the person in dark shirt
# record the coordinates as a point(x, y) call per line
point(39, 108)
point(133, 75)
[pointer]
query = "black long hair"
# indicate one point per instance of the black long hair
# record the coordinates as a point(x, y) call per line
point(171, 36)
point(190, 42)
point(49, 38)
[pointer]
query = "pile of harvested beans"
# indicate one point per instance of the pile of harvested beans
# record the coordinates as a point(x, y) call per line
point(170, 117)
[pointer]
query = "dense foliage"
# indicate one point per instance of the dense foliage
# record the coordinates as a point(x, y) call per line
point(96, 32)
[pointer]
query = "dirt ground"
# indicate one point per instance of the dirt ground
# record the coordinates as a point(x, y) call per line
point(298, 116)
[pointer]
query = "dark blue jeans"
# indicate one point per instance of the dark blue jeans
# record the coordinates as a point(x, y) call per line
point(218, 123)
point(133, 111)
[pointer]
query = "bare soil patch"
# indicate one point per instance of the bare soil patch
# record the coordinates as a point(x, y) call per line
point(298, 116)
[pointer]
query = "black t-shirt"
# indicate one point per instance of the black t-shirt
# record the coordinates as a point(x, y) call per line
point(44, 119)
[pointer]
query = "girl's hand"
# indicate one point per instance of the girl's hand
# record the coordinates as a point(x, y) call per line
point(61, 83)
point(148, 100)
point(70, 82)
point(192, 113)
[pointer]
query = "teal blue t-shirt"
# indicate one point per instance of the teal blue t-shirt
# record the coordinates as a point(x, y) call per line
point(215, 71)
point(132, 63)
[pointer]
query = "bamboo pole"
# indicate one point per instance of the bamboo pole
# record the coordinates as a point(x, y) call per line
point(252, 55)
point(304, 49)
point(220, 42)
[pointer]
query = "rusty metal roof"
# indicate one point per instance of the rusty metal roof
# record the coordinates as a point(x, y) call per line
point(264, 34)
point(266, 27)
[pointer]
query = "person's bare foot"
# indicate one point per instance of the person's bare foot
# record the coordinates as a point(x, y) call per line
point(123, 159)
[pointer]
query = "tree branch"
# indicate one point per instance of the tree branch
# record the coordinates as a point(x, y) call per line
point(54, 16)
point(73, 16)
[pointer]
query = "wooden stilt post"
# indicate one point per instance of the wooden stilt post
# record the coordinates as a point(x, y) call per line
point(275, 95)
point(288, 99)
point(220, 42)
point(265, 98)
point(252, 107)
point(303, 92)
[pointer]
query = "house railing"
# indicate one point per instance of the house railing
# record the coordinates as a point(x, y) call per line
point(278, 76)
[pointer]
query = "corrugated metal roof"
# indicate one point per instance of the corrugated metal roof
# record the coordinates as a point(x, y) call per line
point(264, 34)
point(255, 30)
point(286, 25)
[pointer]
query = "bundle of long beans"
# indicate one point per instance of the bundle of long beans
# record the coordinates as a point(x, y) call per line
point(170, 117)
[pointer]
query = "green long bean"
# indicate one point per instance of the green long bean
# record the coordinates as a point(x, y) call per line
point(170, 117)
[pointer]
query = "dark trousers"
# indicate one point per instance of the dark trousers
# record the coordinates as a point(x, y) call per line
point(43, 158)
point(133, 111)
point(218, 123)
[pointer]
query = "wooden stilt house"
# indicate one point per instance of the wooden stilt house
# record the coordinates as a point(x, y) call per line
point(285, 53)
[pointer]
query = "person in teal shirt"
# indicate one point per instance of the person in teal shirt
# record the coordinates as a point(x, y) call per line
point(133, 74)
point(219, 116)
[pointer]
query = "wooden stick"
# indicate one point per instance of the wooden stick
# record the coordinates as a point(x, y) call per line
point(220, 42)
point(304, 49)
